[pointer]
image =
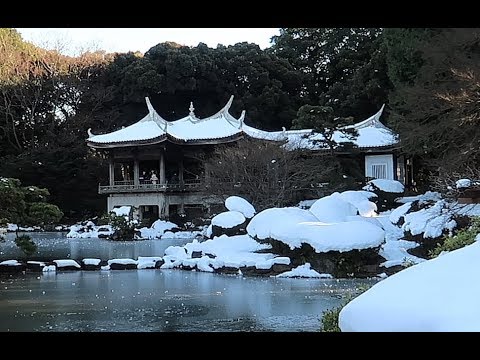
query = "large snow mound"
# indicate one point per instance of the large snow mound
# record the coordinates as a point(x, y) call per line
point(294, 226)
point(436, 295)
point(390, 186)
point(332, 209)
point(228, 219)
point(236, 203)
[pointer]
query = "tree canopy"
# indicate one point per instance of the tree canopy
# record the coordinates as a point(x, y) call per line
point(309, 77)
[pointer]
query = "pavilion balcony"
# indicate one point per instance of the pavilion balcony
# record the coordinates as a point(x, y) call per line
point(128, 186)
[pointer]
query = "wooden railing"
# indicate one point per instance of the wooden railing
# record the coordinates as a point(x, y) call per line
point(128, 186)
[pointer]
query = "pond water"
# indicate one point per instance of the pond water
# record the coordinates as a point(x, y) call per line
point(54, 245)
point(157, 300)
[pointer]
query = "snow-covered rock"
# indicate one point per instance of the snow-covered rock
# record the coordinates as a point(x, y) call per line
point(122, 211)
point(228, 223)
point(390, 186)
point(122, 264)
point(157, 230)
point(236, 203)
point(397, 213)
point(294, 226)
point(233, 252)
point(304, 271)
point(430, 221)
point(66, 264)
point(149, 262)
point(436, 295)
point(228, 219)
point(463, 183)
point(332, 209)
point(361, 200)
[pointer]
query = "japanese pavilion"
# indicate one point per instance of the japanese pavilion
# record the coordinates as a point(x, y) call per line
point(170, 150)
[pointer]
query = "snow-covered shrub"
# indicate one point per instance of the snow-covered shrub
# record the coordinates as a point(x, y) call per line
point(463, 238)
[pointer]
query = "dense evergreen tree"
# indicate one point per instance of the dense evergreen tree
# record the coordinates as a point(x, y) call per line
point(344, 68)
point(434, 103)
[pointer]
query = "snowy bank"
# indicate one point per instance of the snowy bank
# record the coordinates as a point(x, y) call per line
point(436, 295)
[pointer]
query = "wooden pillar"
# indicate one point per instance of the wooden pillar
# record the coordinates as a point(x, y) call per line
point(180, 172)
point(136, 172)
point(111, 172)
point(161, 176)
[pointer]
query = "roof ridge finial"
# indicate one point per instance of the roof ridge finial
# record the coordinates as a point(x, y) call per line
point(191, 108)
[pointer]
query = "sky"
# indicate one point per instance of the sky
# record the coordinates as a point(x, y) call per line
point(73, 41)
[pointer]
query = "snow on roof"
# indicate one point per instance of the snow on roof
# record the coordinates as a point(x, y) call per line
point(153, 128)
point(436, 295)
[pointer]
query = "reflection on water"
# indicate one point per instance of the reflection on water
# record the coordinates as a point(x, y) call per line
point(57, 246)
point(165, 300)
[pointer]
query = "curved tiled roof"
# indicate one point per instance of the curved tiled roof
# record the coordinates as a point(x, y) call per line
point(223, 127)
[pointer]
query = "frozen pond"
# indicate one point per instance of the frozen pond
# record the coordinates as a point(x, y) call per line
point(154, 300)
point(55, 245)
point(165, 300)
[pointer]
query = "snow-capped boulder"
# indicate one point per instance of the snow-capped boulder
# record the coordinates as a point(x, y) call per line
point(35, 266)
point(91, 264)
point(12, 266)
point(463, 183)
point(122, 264)
point(236, 203)
point(332, 209)
point(337, 248)
point(67, 264)
point(362, 200)
point(228, 223)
